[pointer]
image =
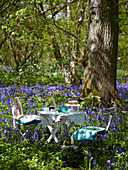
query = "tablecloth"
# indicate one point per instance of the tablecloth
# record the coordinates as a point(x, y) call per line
point(76, 117)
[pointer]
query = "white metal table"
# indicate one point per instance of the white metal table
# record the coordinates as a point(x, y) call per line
point(60, 119)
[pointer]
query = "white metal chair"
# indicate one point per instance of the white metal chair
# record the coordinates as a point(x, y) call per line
point(89, 132)
point(20, 119)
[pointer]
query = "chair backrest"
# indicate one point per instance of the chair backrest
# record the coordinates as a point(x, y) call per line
point(16, 107)
point(107, 112)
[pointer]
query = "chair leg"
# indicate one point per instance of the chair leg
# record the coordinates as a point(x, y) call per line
point(18, 126)
point(27, 130)
point(14, 124)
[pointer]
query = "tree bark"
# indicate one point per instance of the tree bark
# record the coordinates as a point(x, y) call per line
point(69, 70)
point(100, 73)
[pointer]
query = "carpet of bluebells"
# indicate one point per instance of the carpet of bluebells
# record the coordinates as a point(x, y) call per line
point(108, 151)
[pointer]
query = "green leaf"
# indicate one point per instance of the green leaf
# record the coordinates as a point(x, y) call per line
point(21, 11)
point(12, 22)
point(38, 2)
point(4, 27)
point(11, 16)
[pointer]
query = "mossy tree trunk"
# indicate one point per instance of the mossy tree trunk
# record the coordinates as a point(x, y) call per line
point(100, 73)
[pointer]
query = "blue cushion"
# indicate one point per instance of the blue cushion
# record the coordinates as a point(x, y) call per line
point(28, 119)
point(87, 133)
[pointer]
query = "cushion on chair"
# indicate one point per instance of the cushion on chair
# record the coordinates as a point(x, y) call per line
point(87, 133)
point(28, 119)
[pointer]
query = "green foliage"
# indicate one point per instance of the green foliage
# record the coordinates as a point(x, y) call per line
point(123, 36)
point(21, 11)
point(30, 74)
point(24, 155)
point(122, 76)
point(56, 97)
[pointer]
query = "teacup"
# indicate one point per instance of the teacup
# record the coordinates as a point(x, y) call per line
point(46, 109)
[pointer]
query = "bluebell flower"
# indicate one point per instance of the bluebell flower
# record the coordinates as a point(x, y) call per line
point(88, 154)
point(108, 162)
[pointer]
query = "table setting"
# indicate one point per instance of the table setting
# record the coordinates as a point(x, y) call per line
point(60, 115)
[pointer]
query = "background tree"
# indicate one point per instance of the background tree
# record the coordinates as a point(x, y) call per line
point(23, 38)
point(123, 36)
point(100, 73)
point(65, 31)
point(55, 27)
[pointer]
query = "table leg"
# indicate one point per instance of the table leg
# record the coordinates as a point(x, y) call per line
point(68, 128)
point(53, 132)
point(52, 135)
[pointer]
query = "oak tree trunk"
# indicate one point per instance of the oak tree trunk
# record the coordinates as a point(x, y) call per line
point(100, 73)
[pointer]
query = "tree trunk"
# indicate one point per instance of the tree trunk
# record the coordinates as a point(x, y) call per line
point(100, 73)
point(69, 70)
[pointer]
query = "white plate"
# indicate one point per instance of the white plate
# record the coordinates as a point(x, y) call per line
point(72, 104)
